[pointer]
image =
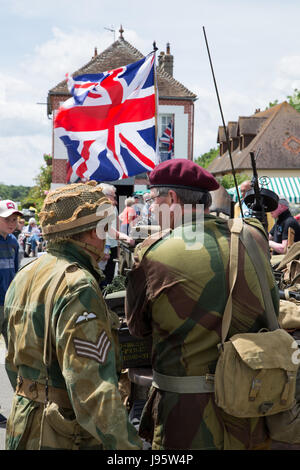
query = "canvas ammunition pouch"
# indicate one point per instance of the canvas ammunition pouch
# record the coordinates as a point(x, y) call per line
point(60, 430)
point(255, 374)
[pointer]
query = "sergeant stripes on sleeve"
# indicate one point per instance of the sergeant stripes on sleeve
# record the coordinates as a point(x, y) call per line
point(97, 351)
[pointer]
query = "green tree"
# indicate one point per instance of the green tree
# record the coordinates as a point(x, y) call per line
point(271, 104)
point(228, 182)
point(42, 181)
point(294, 100)
point(12, 192)
point(206, 158)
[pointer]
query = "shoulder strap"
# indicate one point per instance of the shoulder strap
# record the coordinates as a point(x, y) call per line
point(150, 241)
point(251, 248)
point(235, 226)
point(238, 232)
point(48, 311)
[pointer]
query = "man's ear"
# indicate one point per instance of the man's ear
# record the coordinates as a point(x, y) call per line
point(173, 197)
point(93, 234)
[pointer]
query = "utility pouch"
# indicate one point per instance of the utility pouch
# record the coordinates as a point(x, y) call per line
point(60, 430)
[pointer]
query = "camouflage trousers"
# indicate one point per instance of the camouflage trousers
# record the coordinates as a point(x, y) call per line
point(194, 422)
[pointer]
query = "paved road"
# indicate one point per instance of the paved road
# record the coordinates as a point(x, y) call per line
point(6, 391)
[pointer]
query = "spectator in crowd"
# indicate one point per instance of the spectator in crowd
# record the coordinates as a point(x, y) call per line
point(32, 234)
point(9, 258)
point(244, 188)
point(278, 236)
point(137, 205)
point(18, 233)
point(20, 226)
point(128, 215)
point(107, 264)
point(147, 217)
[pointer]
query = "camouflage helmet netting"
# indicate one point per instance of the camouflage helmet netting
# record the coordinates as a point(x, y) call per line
point(71, 209)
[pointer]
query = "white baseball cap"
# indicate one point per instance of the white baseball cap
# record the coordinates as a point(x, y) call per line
point(8, 208)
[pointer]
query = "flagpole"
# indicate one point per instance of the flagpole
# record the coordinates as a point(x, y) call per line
point(156, 96)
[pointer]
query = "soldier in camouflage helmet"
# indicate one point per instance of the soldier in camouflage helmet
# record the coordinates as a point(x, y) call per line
point(177, 291)
point(63, 357)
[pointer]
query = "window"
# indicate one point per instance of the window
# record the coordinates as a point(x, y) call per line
point(166, 136)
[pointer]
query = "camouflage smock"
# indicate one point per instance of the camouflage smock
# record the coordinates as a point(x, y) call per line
point(98, 419)
point(178, 291)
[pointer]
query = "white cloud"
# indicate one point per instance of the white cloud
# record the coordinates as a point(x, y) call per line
point(67, 52)
point(208, 116)
point(242, 103)
point(287, 75)
point(21, 158)
point(63, 53)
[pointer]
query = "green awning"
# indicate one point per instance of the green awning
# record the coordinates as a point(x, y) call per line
point(288, 187)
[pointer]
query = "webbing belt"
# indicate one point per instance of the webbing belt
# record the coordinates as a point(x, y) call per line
point(189, 384)
point(36, 392)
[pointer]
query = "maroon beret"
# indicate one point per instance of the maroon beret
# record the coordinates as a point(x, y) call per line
point(182, 173)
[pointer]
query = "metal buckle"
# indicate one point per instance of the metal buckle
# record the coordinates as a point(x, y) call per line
point(210, 378)
point(19, 383)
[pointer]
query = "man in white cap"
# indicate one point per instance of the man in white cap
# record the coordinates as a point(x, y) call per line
point(278, 236)
point(9, 258)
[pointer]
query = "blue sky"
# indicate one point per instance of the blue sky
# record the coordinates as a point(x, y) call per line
point(255, 47)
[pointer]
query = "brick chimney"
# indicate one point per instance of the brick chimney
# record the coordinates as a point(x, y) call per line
point(166, 61)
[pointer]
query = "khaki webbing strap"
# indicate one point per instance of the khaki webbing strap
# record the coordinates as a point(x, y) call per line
point(252, 251)
point(48, 311)
point(189, 384)
point(235, 226)
point(36, 392)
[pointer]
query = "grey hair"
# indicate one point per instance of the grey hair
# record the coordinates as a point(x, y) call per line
point(189, 196)
point(108, 189)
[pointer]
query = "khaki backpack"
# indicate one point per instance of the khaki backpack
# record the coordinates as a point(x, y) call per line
point(255, 374)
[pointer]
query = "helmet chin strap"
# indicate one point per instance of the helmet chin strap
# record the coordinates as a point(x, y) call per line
point(91, 249)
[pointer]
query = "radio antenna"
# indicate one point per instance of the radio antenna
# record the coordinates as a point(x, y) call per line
point(224, 126)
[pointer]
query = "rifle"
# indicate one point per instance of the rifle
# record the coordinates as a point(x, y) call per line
point(259, 200)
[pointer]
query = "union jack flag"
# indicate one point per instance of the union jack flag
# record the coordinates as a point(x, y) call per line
point(167, 139)
point(108, 126)
point(72, 177)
